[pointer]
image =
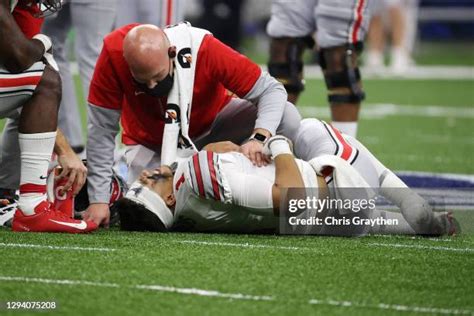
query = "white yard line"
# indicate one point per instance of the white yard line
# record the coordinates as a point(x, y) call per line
point(415, 72)
point(199, 292)
point(383, 110)
point(240, 296)
point(159, 288)
point(467, 250)
point(394, 307)
point(58, 282)
point(54, 247)
point(240, 245)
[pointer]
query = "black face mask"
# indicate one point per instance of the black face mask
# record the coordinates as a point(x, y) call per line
point(161, 89)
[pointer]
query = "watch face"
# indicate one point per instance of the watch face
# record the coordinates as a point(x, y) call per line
point(260, 137)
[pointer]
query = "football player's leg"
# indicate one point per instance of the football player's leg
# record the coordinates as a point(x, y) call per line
point(416, 210)
point(37, 136)
point(10, 159)
point(17, 89)
point(398, 226)
point(290, 27)
point(341, 28)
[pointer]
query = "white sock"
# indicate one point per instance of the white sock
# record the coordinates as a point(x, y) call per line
point(374, 58)
point(36, 150)
point(400, 60)
point(348, 128)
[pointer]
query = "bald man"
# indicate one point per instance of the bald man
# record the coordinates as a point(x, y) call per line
point(230, 98)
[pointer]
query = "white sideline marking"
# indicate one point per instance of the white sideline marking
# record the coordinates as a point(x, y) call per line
point(246, 245)
point(60, 282)
point(422, 247)
point(382, 110)
point(395, 307)
point(55, 247)
point(413, 72)
point(192, 291)
point(160, 288)
point(240, 296)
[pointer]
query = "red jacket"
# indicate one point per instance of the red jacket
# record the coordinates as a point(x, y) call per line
point(219, 69)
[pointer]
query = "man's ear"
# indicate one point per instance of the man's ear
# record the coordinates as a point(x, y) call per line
point(172, 52)
point(170, 200)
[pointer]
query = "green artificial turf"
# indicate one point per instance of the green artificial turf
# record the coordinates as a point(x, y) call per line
point(290, 270)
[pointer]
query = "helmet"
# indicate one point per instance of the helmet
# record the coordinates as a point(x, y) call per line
point(48, 7)
point(78, 204)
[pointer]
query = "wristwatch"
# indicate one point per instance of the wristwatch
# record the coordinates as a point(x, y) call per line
point(258, 137)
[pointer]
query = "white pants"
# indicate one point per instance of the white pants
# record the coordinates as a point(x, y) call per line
point(338, 22)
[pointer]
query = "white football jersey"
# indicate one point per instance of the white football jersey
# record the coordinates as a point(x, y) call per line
point(227, 193)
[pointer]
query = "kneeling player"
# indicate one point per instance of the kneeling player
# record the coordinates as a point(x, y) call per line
point(225, 192)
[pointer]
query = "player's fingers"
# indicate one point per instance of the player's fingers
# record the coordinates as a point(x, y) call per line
point(258, 157)
point(253, 157)
point(70, 181)
point(106, 222)
point(86, 215)
point(267, 160)
point(64, 172)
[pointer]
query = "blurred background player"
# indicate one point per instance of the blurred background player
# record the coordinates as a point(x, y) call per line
point(30, 96)
point(223, 19)
point(91, 20)
point(156, 12)
point(394, 20)
point(341, 26)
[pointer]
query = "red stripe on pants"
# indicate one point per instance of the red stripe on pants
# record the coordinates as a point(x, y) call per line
point(358, 21)
point(169, 12)
point(346, 148)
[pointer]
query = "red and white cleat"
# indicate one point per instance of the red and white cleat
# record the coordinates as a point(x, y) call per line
point(47, 219)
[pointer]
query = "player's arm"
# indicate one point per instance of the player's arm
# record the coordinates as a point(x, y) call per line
point(17, 52)
point(287, 173)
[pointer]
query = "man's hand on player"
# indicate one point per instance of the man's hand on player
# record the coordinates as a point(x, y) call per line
point(253, 148)
point(253, 151)
point(99, 213)
point(222, 147)
point(74, 170)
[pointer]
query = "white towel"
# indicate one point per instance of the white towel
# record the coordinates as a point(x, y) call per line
point(187, 40)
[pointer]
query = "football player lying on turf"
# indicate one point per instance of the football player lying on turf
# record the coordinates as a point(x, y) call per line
point(220, 190)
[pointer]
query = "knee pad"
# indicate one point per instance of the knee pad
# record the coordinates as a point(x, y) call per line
point(341, 71)
point(290, 72)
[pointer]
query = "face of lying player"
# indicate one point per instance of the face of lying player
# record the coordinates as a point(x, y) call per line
point(160, 181)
